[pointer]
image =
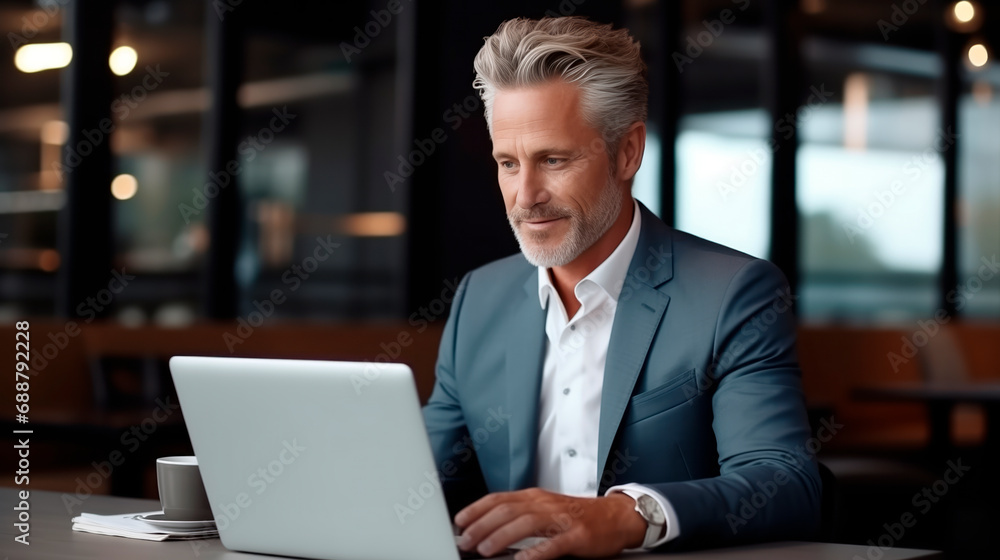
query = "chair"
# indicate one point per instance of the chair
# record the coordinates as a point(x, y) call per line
point(943, 361)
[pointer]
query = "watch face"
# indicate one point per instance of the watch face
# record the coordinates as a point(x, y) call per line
point(650, 510)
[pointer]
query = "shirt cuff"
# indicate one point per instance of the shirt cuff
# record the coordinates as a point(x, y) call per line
point(673, 525)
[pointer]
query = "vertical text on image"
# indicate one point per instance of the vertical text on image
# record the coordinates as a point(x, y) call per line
point(22, 357)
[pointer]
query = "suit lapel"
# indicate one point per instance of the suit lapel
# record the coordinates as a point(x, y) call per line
point(640, 309)
point(525, 351)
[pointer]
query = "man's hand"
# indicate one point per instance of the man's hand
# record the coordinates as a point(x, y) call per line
point(591, 527)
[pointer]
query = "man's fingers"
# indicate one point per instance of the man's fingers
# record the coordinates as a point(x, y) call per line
point(508, 533)
point(487, 524)
point(475, 510)
point(496, 521)
point(548, 549)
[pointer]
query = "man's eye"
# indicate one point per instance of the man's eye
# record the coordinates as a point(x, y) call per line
point(507, 164)
point(553, 161)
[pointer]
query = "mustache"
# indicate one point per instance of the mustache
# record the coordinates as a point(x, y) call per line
point(518, 215)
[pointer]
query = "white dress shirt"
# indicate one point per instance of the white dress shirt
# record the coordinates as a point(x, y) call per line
point(573, 377)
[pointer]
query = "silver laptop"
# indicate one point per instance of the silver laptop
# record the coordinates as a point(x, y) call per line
point(315, 459)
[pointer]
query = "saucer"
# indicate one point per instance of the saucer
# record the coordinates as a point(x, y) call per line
point(161, 520)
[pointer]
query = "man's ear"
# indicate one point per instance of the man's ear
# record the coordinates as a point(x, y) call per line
point(630, 150)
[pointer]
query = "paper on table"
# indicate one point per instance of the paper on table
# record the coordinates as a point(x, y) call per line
point(126, 525)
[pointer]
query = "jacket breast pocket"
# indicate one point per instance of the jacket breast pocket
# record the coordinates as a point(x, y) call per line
point(660, 399)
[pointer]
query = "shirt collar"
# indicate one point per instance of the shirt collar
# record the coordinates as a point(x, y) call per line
point(610, 274)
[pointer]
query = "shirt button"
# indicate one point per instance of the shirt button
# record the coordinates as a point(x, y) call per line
point(571, 452)
point(572, 327)
point(566, 391)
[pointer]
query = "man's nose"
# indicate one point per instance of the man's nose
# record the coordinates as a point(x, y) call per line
point(530, 189)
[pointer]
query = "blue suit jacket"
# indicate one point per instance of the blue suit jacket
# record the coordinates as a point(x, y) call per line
point(702, 397)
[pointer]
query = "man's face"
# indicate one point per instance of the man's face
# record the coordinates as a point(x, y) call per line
point(554, 173)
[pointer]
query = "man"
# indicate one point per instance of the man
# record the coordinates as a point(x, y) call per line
point(619, 384)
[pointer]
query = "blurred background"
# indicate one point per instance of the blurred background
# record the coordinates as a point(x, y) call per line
point(312, 180)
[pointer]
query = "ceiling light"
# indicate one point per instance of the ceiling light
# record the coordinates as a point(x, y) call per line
point(43, 56)
point(124, 186)
point(964, 11)
point(978, 55)
point(122, 60)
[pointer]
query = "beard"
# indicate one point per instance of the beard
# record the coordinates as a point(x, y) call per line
point(544, 249)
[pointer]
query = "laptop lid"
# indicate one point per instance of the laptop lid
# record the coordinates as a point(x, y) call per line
point(316, 459)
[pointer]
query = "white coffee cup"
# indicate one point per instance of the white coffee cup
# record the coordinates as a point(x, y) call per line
point(182, 493)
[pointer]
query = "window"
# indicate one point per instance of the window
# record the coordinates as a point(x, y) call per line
point(870, 187)
point(978, 291)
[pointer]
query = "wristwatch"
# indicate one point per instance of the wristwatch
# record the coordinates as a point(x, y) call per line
point(649, 509)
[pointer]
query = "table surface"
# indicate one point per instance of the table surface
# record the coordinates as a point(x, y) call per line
point(52, 538)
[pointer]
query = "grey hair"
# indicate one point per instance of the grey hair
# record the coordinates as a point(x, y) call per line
point(604, 63)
